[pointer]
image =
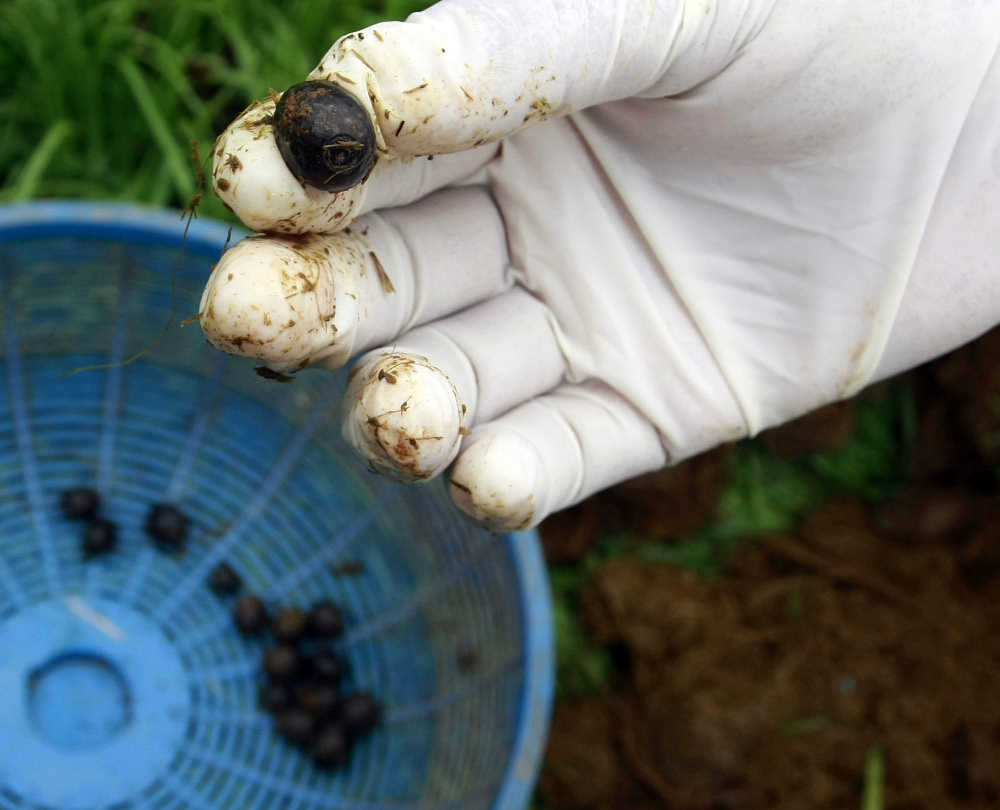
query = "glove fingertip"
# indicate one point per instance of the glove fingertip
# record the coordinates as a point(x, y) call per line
point(497, 481)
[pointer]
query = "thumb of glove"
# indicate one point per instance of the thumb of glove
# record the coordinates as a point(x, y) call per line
point(466, 72)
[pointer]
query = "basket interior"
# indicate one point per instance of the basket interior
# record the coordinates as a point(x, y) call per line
point(123, 682)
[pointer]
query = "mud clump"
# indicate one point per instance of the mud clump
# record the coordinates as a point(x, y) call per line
point(867, 624)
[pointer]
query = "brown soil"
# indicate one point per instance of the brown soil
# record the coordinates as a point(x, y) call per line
point(869, 625)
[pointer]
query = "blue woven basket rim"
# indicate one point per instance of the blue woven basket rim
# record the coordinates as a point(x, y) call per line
point(138, 224)
point(113, 221)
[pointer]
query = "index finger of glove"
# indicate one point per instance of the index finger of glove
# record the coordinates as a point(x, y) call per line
point(463, 75)
point(251, 178)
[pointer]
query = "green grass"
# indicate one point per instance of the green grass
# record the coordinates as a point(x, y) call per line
point(101, 99)
point(767, 494)
point(583, 667)
point(874, 780)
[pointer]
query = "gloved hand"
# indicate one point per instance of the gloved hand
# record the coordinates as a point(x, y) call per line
point(703, 219)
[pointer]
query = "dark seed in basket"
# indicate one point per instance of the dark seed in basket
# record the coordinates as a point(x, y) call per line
point(283, 662)
point(224, 580)
point(167, 525)
point(250, 615)
point(331, 747)
point(325, 620)
point(319, 699)
point(276, 696)
point(296, 725)
point(289, 624)
point(79, 503)
point(359, 712)
point(326, 666)
point(99, 537)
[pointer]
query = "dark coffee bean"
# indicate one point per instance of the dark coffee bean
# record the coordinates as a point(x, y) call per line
point(350, 568)
point(359, 712)
point(275, 696)
point(167, 525)
point(324, 135)
point(289, 624)
point(325, 620)
point(100, 537)
point(79, 503)
point(319, 699)
point(224, 580)
point(296, 725)
point(330, 747)
point(250, 615)
point(466, 659)
point(282, 663)
point(326, 666)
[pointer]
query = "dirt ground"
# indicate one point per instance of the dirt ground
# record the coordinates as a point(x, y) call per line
point(870, 625)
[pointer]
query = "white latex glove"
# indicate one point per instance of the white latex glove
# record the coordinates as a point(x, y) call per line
point(734, 212)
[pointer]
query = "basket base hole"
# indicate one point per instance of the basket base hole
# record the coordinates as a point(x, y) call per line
point(78, 700)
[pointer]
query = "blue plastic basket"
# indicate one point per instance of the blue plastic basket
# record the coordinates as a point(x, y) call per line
point(123, 683)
